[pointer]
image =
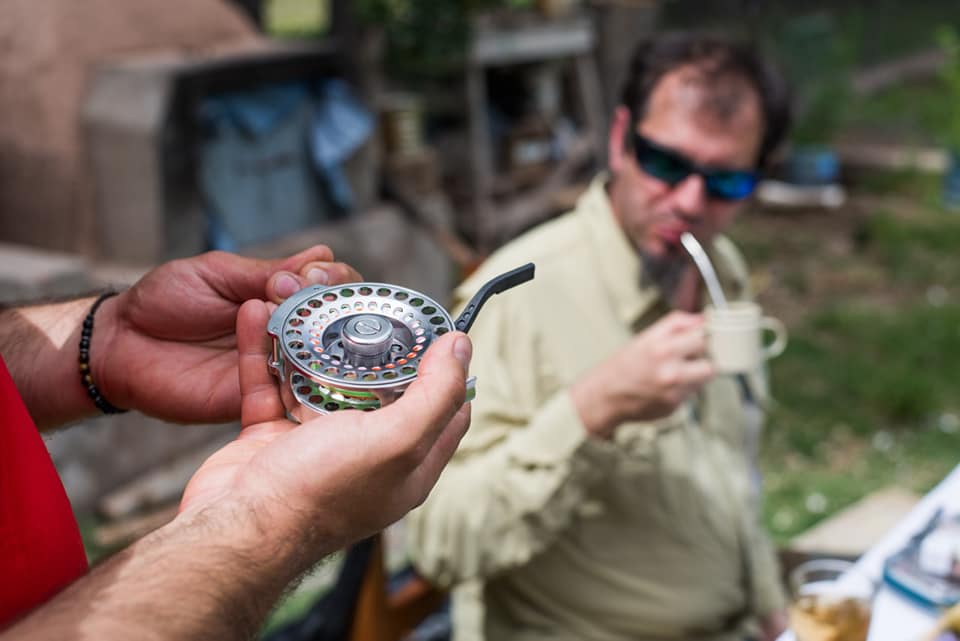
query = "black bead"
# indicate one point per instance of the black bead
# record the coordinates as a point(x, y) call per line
point(83, 357)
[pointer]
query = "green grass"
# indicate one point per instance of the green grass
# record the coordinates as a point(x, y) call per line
point(917, 112)
point(806, 489)
point(820, 44)
point(878, 30)
point(812, 473)
point(920, 187)
point(920, 250)
point(866, 367)
point(868, 391)
point(88, 524)
point(296, 18)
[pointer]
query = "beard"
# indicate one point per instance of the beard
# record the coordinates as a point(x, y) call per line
point(663, 272)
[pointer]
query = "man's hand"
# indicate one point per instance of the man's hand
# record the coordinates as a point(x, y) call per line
point(647, 379)
point(167, 345)
point(342, 476)
point(266, 507)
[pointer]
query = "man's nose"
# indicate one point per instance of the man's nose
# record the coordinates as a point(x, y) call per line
point(690, 195)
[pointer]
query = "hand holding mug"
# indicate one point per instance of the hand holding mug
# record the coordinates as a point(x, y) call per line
point(656, 371)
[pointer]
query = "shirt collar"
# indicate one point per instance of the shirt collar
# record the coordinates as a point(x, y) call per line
point(615, 257)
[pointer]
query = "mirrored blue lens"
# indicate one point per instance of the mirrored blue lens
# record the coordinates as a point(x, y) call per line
point(731, 185)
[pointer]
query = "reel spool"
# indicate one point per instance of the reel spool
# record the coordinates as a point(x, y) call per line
point(359, 345)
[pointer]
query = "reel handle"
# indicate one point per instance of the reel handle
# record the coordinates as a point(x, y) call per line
point(496, 285)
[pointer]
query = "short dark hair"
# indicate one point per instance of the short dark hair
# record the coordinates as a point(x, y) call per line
point(721, 57)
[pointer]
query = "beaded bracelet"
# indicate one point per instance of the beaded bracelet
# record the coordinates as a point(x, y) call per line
point(86, 376)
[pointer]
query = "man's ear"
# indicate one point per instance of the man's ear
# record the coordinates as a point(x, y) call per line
point(616, 144)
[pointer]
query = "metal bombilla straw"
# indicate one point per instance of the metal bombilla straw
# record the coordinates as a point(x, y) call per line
point(705, 267)
point(714, 290)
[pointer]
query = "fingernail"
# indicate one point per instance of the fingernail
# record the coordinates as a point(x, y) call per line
point(318, 276)
point(287, 286)
point(463, 351)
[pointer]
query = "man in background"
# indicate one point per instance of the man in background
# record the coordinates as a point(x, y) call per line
point(606, 489)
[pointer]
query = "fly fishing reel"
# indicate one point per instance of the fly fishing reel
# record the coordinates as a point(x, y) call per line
point(359, 345)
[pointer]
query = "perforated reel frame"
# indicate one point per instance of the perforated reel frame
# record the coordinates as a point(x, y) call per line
point(319, 372)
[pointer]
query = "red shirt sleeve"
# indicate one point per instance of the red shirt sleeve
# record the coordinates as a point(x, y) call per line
point(40, 546)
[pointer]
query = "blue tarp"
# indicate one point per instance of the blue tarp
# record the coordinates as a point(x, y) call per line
point(271, 161)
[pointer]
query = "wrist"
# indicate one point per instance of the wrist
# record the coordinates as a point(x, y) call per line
point(273, 542)
point(39, 344)
point(254, 560)
point(96, 346)
point(596, 405)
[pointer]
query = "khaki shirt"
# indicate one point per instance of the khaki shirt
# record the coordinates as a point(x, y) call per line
point(552, 534)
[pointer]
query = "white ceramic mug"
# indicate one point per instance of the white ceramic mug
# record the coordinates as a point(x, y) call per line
point(735, 337)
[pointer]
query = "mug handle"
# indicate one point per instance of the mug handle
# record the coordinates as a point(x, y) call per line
point(779, 343)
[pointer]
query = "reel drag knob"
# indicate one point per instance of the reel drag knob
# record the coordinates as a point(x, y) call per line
point(367, 340)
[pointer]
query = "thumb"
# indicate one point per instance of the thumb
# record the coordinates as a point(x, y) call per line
point(427, 406)
point(259, 394)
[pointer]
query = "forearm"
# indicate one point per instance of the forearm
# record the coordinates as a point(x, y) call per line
point(600, 410)
point(193, 579)
point(39, 344)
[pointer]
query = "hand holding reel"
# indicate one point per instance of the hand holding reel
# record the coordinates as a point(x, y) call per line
point(359, 345)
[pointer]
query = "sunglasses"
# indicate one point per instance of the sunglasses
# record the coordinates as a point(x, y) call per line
point(673, 168)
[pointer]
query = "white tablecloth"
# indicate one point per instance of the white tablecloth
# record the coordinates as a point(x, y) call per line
point(896, 618)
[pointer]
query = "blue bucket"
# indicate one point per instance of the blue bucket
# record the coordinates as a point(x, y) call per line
point(951, 182)
point(813, 165)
